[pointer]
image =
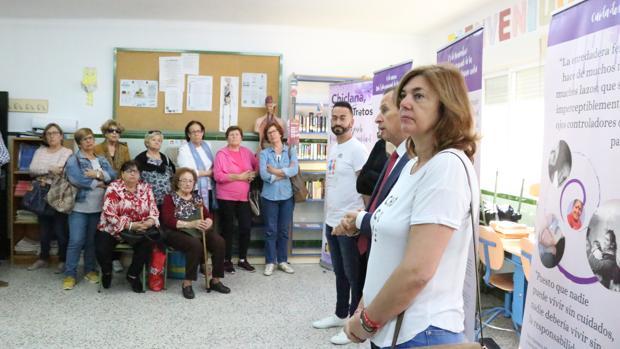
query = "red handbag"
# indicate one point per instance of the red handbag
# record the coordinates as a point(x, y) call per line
point(156, 270)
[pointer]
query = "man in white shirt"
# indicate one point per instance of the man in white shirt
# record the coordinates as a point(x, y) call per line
point(344, 162)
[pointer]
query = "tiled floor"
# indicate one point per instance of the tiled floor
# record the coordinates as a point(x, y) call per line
point(261, 312)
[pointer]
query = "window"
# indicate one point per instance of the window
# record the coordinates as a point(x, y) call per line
point(512, 130)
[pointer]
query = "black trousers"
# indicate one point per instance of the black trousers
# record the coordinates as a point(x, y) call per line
point(104, 247)
point(229, 210)
point(193, 250)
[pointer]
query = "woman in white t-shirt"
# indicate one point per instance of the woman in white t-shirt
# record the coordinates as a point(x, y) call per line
point(421, 233)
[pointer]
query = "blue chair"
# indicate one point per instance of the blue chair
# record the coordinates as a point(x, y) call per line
point(491, 250)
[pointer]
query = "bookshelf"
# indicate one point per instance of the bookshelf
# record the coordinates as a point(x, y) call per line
point(22, 224)
point(310, 104)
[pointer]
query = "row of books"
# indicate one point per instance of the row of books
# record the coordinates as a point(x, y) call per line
point(24, 216)
point(312, 151)
point(21, 187)
point(312, 123)
point(316, 189)
point(24, 155)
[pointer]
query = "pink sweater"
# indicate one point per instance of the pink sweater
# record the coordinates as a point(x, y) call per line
point(225, 164)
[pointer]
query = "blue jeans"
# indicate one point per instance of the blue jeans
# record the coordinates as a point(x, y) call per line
point(277, 216)
point(347, 265)
point(82, 227)
point(431, 336)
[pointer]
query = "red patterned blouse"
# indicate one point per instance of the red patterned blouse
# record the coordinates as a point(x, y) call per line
point(120, 207)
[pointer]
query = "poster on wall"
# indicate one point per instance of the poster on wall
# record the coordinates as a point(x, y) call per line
point(138, 93)
point(359, 95)
point(199, 92)
point(253, 90)
point(229, 101)
point(466, 55)
point(574, 290)
point(385, 79)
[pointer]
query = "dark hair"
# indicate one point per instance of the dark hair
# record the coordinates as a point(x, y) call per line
point(455, 127)
point(128, 165)
point(177, 175)
point(234, 128)
point(612, 240)
point(190, 124)
point(50, 125)
point(343, 104)
point(277, 126)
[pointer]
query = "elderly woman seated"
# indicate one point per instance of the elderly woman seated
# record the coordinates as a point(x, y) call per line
point(129, 214)
point(186, 218)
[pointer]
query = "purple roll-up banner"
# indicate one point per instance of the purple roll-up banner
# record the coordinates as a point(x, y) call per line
point(573, 291)
point(389, 77)
point(466, 55)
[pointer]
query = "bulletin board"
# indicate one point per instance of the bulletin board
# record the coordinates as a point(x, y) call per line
point(133, 64)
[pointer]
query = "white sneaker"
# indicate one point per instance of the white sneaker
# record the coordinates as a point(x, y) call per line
point(268, 269)
point(285, 267)
point(117, 266)
point(39, 263)
point(60, 268)
point(340, 338)
point(330, 321)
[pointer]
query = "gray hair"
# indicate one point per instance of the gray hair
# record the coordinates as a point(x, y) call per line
point(149, 135)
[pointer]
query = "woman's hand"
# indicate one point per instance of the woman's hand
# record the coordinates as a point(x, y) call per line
point(90, 173)
point(354, 331)
point(202, 225)
point(276, 172)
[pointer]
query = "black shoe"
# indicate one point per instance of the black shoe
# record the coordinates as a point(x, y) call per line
point(106, 280)
point(136, 284)
point(228, 267)
point(246, 265)
point(219, 287)
point(188, 292)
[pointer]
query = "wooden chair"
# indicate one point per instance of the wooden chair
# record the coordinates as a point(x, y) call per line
point(491, 250)
point(527, 248)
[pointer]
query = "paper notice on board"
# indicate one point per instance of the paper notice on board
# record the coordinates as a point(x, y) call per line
point(173, 102)
point(138, 93)
point(253, 90)
point(191, 63)
point(171, 74)
point(229, 101)
point(199, 93)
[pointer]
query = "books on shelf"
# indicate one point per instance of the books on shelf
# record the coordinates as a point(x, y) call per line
point(312, 122)
point(24, 216)
point(312, 151)
point(316, 189)
point(21, 187)
point(24, 155)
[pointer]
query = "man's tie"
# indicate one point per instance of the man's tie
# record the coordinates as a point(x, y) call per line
point(362, 242)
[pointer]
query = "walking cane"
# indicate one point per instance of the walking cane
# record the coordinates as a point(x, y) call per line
point(204, 247)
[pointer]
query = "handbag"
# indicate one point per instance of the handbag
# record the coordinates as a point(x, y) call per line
point(485, 343)
point(34, 200)
point(132, 237)
point(61, 195)
point(156, 269)
point(300, 192)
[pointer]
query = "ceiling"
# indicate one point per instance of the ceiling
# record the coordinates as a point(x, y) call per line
point(402, 16)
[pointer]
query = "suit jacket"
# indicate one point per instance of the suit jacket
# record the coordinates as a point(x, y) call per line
point(391, 180)
point(369, 175)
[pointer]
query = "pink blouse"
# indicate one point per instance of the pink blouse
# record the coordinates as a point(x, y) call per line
point(227, 162)
point(120, 207)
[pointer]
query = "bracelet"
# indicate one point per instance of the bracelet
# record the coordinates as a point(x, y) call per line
point(367, 324)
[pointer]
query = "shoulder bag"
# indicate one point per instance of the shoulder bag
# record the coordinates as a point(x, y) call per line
point(485, 343)
point(61, 195)
point(34, 200)
point(300, 192)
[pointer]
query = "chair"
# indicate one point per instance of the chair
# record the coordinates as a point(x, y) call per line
point(123, 248)
point(491, 251)
point(527, 248)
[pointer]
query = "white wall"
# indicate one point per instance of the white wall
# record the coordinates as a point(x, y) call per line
point(43, 59)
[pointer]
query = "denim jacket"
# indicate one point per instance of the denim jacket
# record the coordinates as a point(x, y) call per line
point(273, 188)
point(75, 173)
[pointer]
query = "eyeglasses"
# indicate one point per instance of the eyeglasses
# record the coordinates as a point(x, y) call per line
point(52, 133)
point(131, 171)
point(113, 130)
point(195, 132)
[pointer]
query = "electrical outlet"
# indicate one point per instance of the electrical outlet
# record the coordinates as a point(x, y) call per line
point(28, 105)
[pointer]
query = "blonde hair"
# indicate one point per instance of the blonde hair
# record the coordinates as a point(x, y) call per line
point(455, 127)
point(109, 123)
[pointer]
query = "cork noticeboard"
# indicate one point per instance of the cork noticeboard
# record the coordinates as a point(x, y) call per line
point(131, 64)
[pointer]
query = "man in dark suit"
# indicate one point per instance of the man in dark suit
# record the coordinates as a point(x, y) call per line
point(388, 122)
